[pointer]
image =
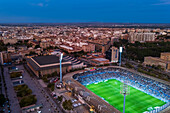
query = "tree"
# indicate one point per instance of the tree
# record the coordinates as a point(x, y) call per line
point(22, 90)
point(15, 74)
point(37, 46)
point(32, 53)
point(159, 67)
point(67, 105)
point(45, 79)
point(50, 47)
point(128, 65)
point(2, 99)
point(51, 86)
point(140, 65)
point(28, 100)
point(138, 51)
point(54, 74)
point(60, 98)
point(3, 47)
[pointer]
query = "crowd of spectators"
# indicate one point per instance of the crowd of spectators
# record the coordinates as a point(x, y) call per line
point(147, 85)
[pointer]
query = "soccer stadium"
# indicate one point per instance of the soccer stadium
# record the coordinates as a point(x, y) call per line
point(101, 88)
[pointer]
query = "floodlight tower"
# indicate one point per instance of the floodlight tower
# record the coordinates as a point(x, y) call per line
point(120, 50)
point(61, 57)
point(125, 90)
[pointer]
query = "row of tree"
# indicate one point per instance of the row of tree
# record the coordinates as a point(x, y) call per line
point(25, 95)
point(2, 97)
point(22, 90)
point(51, 86)
point(137, 51)
point(4, 100)
point(28, 100)
point(15, 74)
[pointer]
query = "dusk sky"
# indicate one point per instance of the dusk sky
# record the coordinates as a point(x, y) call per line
point(64, 11)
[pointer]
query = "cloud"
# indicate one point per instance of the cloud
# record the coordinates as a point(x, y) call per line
point(163, 2)
point(40, 4)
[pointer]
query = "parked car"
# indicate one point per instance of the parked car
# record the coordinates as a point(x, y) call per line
point(55, 80)
point(75, 105)
point(53, 93)
point(55, 97)
point(73, 100)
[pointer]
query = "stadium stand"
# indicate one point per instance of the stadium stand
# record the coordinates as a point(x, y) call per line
point(147, 85)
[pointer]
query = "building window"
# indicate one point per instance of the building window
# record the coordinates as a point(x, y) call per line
point(116, 54)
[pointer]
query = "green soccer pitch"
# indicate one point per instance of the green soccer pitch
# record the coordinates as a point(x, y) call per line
point(136, 102)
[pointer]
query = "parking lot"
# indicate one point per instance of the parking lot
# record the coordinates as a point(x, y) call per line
point(78, 107)
point(15, 107)
point(42, 94)
point(49, 106)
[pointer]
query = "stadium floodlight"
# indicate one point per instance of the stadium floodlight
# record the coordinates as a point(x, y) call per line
point(120, 50)
point(61, 57)
point(125, 90)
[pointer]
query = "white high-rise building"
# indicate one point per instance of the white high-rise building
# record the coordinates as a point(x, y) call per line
point(115, 54)
point(141, 37)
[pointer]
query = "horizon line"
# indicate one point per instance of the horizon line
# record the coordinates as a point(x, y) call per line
point(79, 23)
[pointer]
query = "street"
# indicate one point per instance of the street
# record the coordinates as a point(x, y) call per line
point(49, 106)
point(15, 107)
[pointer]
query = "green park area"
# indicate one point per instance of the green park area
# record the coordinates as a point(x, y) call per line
point(15, 74)
point(24, 95)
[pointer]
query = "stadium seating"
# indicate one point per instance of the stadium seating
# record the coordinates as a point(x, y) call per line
point(147, 85)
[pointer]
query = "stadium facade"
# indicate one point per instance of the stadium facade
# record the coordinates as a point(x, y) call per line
point(42, 65)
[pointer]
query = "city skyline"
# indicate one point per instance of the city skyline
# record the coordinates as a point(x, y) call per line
point(84, 56)
point(75, 11)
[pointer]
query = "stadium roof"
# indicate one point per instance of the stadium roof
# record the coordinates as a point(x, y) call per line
point(44, 60)
point(100, 59)
point(47, 62)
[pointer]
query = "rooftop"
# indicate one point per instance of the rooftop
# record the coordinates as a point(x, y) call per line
point(46, 62)
point(158, 59)
point(166, 53)
point(101, 59)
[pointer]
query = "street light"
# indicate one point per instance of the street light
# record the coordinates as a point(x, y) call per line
point(61, 57)
point(120, 50)
point(125, 90)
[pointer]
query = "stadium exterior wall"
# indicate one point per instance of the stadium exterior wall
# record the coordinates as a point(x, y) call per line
point(79, 90)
